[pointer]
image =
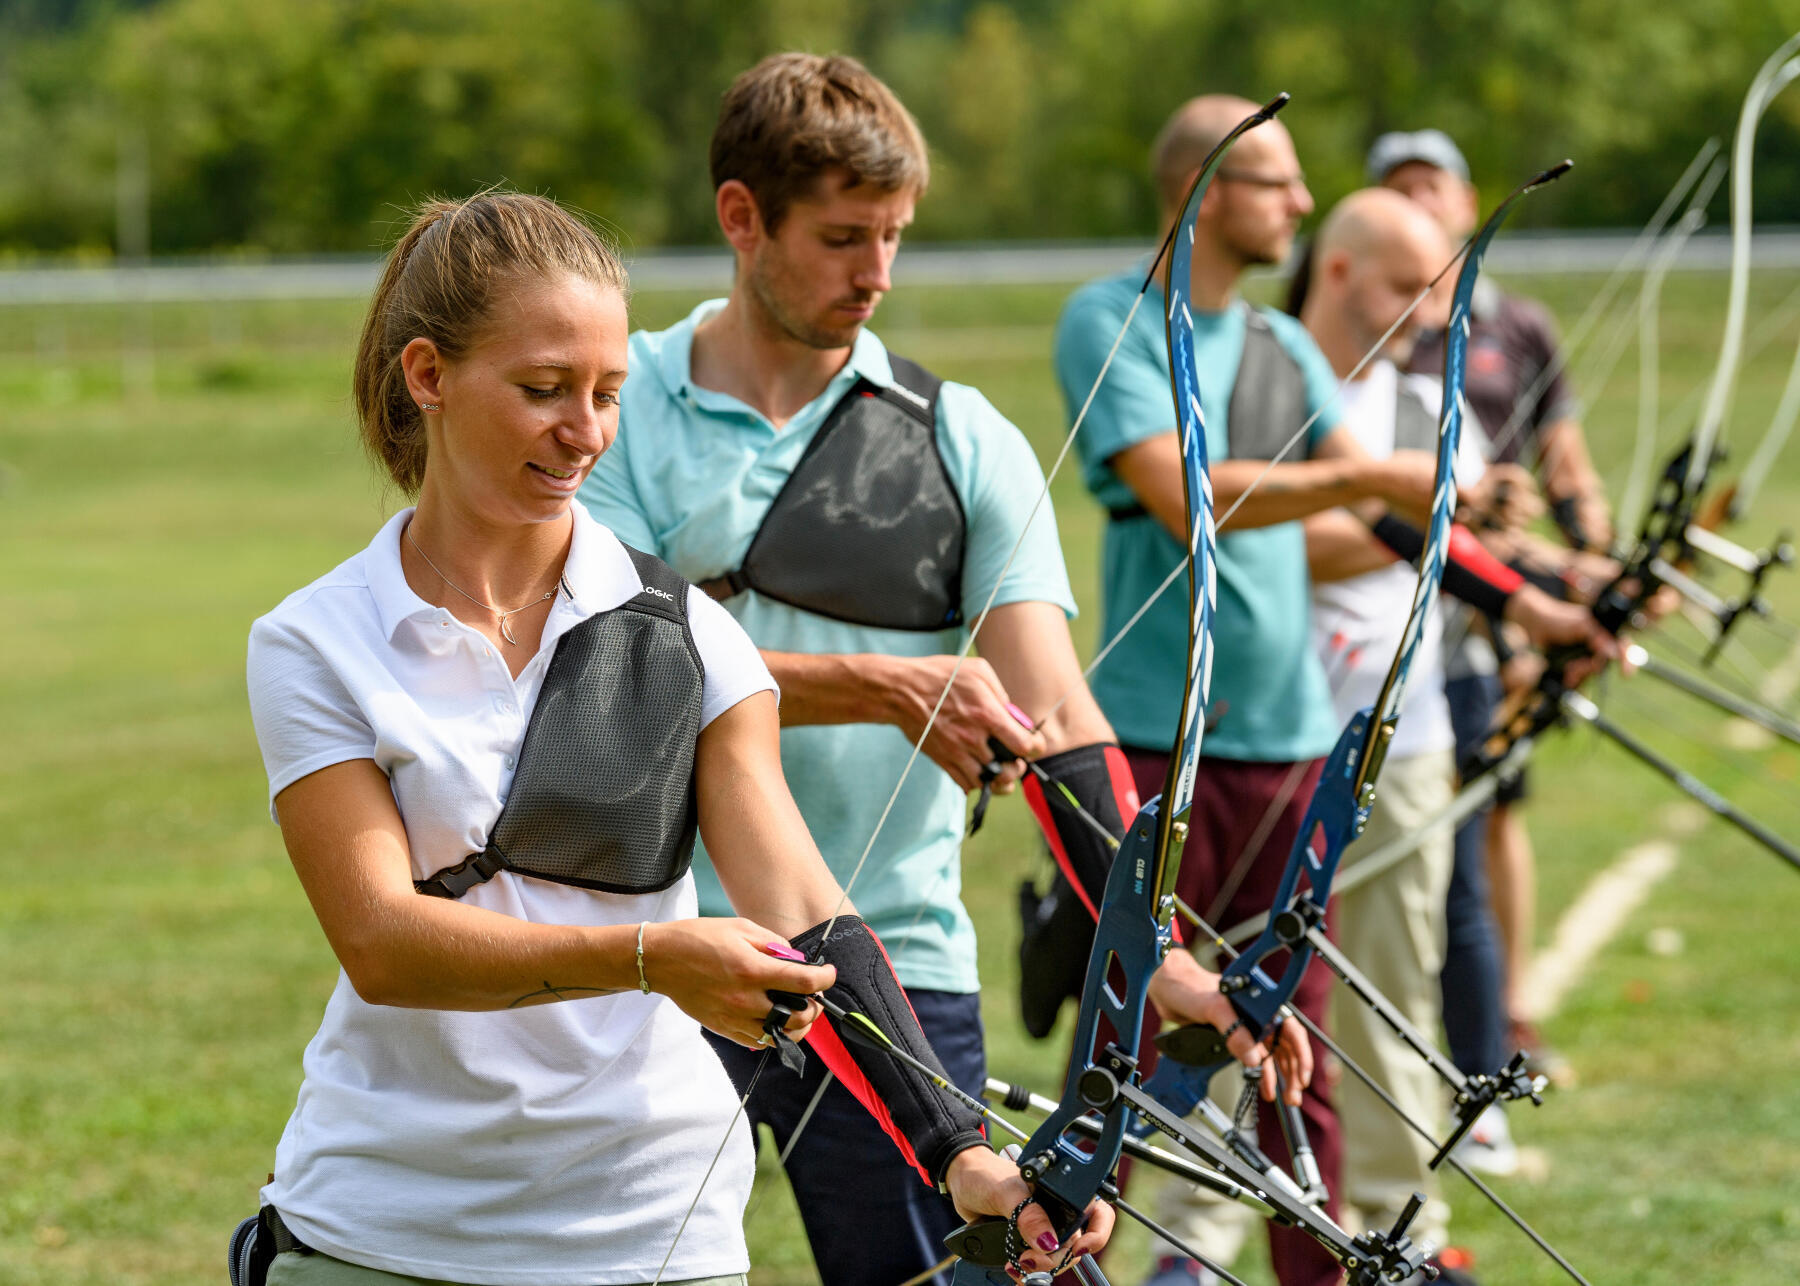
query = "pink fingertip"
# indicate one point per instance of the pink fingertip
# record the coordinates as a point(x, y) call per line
point(1024, 722)
point(784, 951)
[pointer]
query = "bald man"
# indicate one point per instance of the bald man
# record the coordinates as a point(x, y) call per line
point(1516, 383)
point(1270, 720)
point(1373, 255)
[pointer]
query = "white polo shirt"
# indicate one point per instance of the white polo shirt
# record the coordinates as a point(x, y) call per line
point(1357, 623)
point(557, 1145)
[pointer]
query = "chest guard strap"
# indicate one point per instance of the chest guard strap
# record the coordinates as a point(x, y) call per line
point(1268, 400)
point(604, 794)
point(868, 528)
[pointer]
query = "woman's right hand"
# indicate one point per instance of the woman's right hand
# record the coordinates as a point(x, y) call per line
point(720, 972)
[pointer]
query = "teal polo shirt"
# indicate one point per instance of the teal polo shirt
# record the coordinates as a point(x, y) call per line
point(690, 477)
point(1269, 693)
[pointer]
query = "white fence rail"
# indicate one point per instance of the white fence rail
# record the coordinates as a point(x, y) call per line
point(1521, 254)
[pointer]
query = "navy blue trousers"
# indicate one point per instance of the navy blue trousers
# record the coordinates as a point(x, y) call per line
point(1474, 971)
point(870, 1218)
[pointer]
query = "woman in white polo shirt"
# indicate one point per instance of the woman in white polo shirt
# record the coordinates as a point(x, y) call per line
point(490, 737)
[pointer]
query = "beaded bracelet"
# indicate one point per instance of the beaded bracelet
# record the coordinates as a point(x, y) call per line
point(643, 982)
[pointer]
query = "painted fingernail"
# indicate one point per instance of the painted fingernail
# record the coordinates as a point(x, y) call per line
point(1023, 718)
point(1046, 1242)
point(783, 950)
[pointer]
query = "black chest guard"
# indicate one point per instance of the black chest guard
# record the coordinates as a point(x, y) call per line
point(868, 528)
point(604, 793)
point(1415, 424)
point(1268, 400)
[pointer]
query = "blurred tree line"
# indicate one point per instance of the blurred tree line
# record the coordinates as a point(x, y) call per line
point(306, 125)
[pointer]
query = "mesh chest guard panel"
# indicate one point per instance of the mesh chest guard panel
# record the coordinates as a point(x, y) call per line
point(1268, 400)
point(1415, 424)
point(868, 528)
point(604, 794)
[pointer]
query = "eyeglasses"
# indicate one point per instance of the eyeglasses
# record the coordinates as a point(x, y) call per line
point(1262, 180)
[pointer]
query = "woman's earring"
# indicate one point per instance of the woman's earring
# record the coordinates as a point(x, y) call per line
point(431, 406)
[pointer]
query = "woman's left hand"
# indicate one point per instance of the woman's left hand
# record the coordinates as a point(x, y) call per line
point(984, 1183)
point(1185, 993)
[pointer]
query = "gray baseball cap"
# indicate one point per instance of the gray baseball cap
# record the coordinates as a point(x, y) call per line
point(1432, 146)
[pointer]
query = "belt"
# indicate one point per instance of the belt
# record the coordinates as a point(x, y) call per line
point(723, 587)
point(279, 1236)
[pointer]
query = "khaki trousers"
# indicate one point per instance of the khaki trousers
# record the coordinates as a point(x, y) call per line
point(1392, 928)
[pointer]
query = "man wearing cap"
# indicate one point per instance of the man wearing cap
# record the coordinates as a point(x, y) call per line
point(1514, 380)
point(1515, 383)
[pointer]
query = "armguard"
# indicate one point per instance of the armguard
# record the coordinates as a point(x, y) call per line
point(928, 1128)
point(1089, 784)
point(1566, 513)
point(1057, 927)
point(1548, 581)
point(1470, 572)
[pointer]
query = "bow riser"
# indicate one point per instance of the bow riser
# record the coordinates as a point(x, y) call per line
point(1129, 945)
point(1334, 817)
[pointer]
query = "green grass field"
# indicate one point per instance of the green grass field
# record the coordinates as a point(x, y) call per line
point(166, 970)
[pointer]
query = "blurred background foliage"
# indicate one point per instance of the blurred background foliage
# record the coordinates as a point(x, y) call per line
point(301, 126)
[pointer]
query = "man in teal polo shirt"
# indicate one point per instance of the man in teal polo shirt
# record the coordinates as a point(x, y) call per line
point(856, 514)
point(1270, 721)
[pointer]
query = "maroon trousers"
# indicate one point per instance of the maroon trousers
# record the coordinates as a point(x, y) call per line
point(1245, 818)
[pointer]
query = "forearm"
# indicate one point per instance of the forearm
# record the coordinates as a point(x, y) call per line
point(1028, 645)
point(1470, 572)
point(1339, 546)
point(398, 947)
point(758, 842)
point(1290, 491)
point(432, 953)
point(1577, 497)
point(1567, 469)
point(829, 688)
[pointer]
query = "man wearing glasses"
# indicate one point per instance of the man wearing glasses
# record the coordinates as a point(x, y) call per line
point(1270, 719)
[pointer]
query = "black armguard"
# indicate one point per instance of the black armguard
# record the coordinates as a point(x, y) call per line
point(1460, 581)
point(1099, 789)
point(1056, 928)
point(1400, 536)
point(1552, 584)
point(925, 1123)
point(1566, 513)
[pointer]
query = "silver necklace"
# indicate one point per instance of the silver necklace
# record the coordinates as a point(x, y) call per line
point(499, 615)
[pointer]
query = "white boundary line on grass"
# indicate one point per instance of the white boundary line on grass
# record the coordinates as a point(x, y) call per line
point(1783, 680)
point(1593, 920)
point(1601, 910)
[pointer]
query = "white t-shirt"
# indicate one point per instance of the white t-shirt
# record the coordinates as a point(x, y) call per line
point(556, 1145)
point(1357, 623)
